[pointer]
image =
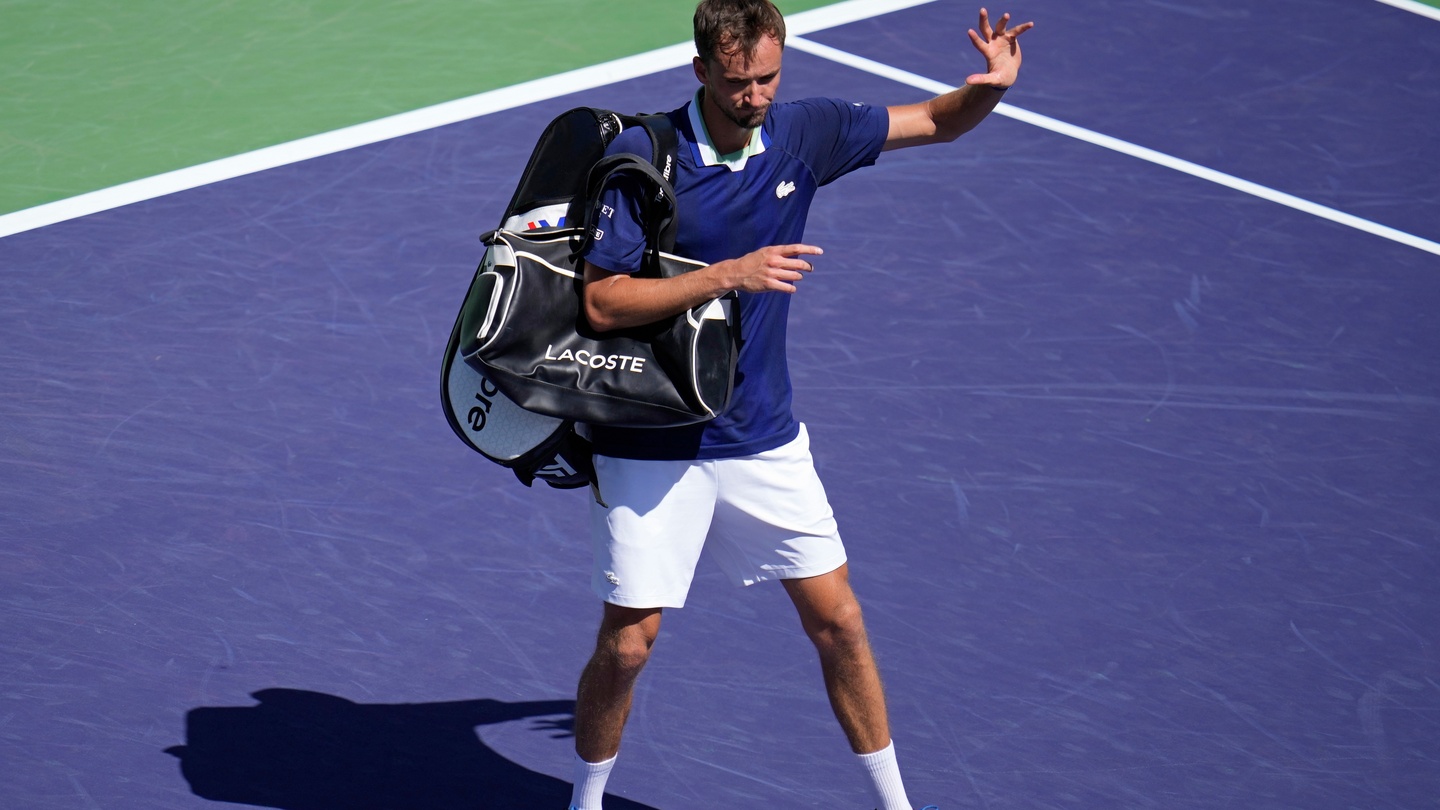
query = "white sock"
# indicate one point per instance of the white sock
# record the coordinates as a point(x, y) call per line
point(590, 783)
point(884, 773)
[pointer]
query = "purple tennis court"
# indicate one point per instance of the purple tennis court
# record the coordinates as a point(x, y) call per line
point(1137, 471)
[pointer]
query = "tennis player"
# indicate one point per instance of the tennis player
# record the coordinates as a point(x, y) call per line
point(742, 485)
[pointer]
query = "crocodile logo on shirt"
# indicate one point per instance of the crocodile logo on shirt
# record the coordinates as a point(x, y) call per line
point(783, 190)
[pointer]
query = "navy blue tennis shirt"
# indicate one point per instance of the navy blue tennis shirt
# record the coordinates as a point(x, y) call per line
point(731, 205)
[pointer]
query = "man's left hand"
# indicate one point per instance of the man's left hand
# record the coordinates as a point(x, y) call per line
point(1000, 48)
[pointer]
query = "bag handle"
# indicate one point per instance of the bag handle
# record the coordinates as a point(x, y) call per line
point(659, 209)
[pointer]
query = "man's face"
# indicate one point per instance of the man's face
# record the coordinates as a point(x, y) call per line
point(742, 89)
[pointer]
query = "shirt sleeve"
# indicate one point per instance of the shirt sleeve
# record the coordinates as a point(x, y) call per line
point(619, 243)
point(837, 137)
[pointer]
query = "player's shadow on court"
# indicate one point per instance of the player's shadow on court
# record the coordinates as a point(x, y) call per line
point(302, 750)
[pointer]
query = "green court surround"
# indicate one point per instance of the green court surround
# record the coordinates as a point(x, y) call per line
point(97, 94)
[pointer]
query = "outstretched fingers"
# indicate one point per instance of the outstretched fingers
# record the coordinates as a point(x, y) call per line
point(985, 24)
point(1001, 31)
point(999, 47)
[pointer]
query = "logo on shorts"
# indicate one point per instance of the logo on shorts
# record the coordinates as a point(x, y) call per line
point(783, 190)
point(614, 580)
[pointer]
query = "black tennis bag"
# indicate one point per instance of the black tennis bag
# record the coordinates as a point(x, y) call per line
point(525, 330)
point(523, 370)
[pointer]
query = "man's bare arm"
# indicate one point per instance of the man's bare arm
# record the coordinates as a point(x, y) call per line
point(619, 301)
point(947, 117)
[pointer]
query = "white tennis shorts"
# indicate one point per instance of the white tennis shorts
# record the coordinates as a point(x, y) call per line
point(760, 517)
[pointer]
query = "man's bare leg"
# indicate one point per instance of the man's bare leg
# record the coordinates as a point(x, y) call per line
point(607, 684)
point(830, 614)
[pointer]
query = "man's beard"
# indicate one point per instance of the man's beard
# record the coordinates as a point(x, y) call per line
point(749, 121)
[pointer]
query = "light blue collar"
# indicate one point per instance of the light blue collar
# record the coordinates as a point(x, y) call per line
point(735, 161)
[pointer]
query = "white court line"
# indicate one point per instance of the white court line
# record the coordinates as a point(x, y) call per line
point(633, 67)
point(409, 123)
point(1123, 147)
point(1415, 8)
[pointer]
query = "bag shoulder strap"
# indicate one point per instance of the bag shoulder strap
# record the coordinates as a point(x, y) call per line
point(665, 157)
point(657, 174)
point(665, 143)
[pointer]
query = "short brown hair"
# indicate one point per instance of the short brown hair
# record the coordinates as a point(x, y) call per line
point(730, 26)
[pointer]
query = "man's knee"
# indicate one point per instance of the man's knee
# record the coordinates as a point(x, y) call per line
point(840, 626)
point(828, 609)
point(626, 637)
point(628, 653)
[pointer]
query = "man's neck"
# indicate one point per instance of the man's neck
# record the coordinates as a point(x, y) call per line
point(725, 135)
